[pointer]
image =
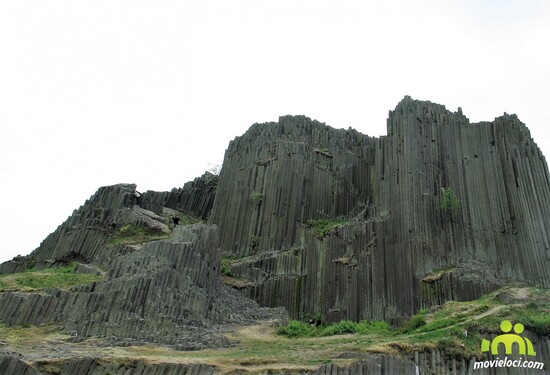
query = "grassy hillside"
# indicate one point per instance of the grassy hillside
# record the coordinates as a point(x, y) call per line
point(33, 280)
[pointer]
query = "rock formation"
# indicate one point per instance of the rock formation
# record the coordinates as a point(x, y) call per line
point(353, 227)
point(310, 218)
point(165, 290)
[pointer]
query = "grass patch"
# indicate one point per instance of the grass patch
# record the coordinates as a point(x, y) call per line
point(256, 197)
point(296, 328)
point(187, 219)
point(414, 322)
point(438, 274)
point(437, 324)
point(132, 234)
point(54, 278)
point(535, 318)
point(323, 227)
point(455, 328)
point(225, 265)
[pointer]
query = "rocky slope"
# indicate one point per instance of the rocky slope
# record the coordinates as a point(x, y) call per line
point(161, 281)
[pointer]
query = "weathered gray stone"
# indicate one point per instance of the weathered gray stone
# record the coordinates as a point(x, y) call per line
point(195, 198)
point(278, 177)
point(161, 291)
point(10, 364)
point(394, 250)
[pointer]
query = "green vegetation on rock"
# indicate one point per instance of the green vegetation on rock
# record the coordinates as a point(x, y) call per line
point(225, 265)
point(448, 201)
point(455, 328)
point(256, 197)
point(296, 328)
point(187, 219)
point(132, 234)
point(55, 278)
point(322, 227)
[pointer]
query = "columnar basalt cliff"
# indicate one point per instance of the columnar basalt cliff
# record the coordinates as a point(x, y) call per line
point(393, 247)
point(160, 282)
point(196, 197)
point(319, 221)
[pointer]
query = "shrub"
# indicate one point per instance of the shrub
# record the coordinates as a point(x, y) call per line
point(314, 319)
point(448, 201)
point(414, 322)
point(296, 328)
point(322, 227)
point(225, 265)
point(256, 197)
point(340, 328)
point(366, 327)
point(538, 322)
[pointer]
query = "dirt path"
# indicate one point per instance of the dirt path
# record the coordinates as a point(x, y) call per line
point(491, 311)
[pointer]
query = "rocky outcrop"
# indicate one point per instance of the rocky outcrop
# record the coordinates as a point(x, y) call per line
point(11, 364)
point(430, 362)
point(195, 198)
point(154, 290)
point(92, 366)
point(84, 235)
point(163, 291)
point(334, 222)
point(314, 219)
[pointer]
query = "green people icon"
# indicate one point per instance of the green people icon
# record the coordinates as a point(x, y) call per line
point(508, 339)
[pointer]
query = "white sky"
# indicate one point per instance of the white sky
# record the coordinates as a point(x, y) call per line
point(95, 93)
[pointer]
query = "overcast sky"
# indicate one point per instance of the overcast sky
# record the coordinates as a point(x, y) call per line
point(95, 93)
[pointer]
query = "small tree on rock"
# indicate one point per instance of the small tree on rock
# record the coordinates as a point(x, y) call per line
point(449, 202)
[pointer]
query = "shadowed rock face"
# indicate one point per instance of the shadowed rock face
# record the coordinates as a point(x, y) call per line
point(398, 249)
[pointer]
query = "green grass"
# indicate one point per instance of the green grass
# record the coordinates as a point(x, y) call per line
point(534, 318)
point(455, 329)
point(225, 265)
point(414, 322)
point(296, 328)
point(132, 234)
point(187, 219)
point(322, 227)
point(256, 197)
point(55, 278)
point(435, 325)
